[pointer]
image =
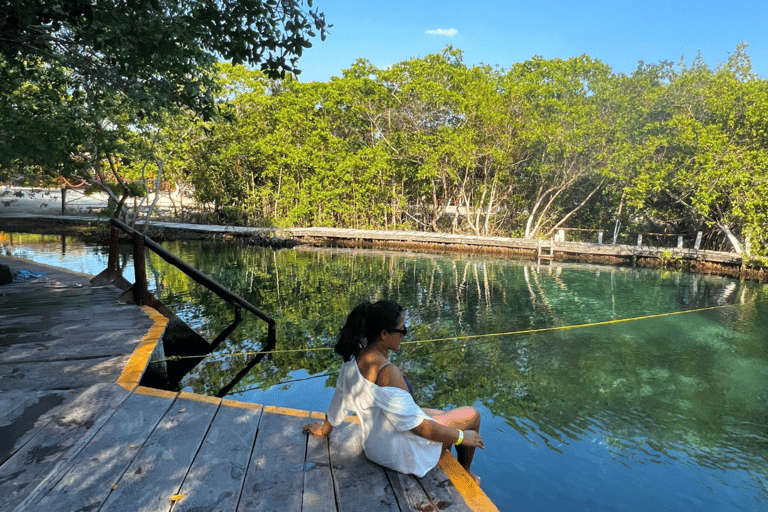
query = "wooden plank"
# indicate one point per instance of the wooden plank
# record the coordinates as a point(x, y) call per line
point(319, 495)
point(13, 400)
point(48, 452)
point(24, 420)
point(72, 374)
point(275, 475)
point(86, 484)
point(360, 483)
point(410, 495)
point(158, 470)
point(442, 493)
point(215, 480)
point(90, 344)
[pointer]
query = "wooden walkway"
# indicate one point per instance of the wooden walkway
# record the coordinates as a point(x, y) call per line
point(522, 246)
point(72, 444)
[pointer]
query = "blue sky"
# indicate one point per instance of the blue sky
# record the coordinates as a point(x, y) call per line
point(619, 33)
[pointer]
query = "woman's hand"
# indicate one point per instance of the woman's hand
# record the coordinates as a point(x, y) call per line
point(318, 429)
point(472, 438)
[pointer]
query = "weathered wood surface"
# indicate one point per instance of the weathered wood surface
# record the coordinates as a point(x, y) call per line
point(157, 473)
point(646, 251)
point(319, 493)
point(156, 451)
point(361, 484)
point(52, 448)
point(74, 374)
point(408, 492)
point(215, 480)
point(79, 332)
point(443, 494)
point(87, 482)
point(275, 477)
point(25, 414)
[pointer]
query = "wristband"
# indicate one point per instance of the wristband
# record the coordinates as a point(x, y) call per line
point(460, 439)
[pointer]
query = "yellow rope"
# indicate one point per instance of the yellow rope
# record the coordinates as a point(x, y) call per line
point(467, 337)
point(568, 327)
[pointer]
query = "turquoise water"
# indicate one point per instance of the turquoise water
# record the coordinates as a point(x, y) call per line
point(664, 413)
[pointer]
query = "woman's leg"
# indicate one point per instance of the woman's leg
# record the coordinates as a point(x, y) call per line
point(462, 418)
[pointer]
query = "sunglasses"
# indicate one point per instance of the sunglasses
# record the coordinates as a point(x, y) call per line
point(402, 331)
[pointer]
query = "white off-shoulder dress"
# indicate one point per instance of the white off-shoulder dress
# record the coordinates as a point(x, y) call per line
point(387, 415)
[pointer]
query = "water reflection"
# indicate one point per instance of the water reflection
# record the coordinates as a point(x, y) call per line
point(688, 389)
point(674, 399)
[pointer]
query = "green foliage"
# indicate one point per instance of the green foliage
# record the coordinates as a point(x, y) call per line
point(431, 143)
point(155, 51)
point(79, 79)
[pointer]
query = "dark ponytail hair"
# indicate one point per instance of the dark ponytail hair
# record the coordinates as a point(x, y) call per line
point(364, 324)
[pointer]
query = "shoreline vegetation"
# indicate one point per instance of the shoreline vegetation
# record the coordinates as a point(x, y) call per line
point(545, 147)
point(93, 228)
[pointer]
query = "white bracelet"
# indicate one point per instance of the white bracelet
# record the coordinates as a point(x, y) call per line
point(460, 439)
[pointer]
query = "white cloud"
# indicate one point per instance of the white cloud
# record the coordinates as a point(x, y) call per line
point(448, 32)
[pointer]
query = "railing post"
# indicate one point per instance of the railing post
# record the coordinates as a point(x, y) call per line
point(639, 239)
point(679, 241)
point(697, 244)
point(600, 238)
point(271, 335)
point(140, 292)
point(114, 243)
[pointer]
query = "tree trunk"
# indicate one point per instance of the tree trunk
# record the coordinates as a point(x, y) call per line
point(160, 166)
point(586, 199)
point(731, 238)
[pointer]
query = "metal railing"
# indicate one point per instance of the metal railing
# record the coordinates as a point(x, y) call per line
point(138, 292)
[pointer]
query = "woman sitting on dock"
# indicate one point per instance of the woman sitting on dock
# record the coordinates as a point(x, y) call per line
point(397, 433)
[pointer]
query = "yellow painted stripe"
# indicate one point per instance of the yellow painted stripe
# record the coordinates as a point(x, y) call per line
point(471, 492)
point(286, 411)
point(200, 398)
point(241, 405)
point(143, 390)
point(139, 360)
point(317, 415)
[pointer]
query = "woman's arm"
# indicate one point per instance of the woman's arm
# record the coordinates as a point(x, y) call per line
point(336, 413)
point(428, 429)
point(434, 431)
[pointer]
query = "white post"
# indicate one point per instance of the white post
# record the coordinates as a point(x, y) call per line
point(561, 235)
point(639, 239)
point(600, 237)
point(697, 244)
point(679, 241)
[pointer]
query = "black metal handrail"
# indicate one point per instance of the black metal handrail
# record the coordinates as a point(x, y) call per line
point(139, 292)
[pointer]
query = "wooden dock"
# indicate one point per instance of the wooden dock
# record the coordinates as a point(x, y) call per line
point(525, 247)
point(77, 432)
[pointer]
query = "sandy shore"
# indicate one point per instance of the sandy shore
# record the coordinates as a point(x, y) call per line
point(42, 201)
